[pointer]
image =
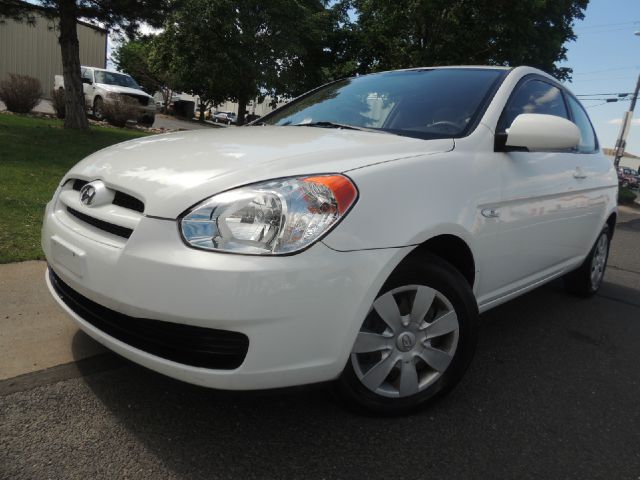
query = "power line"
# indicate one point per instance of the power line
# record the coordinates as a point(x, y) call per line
point(600, 79)
point(606, 30)
point(608, 100)
point(603, 94)
point(633, 22)
point(606, 70)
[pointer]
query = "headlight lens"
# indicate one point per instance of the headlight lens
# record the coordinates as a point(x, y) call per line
point(270, 218)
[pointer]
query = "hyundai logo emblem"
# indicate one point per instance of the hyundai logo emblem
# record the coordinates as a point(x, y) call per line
point(96, 193)
point(87, 194)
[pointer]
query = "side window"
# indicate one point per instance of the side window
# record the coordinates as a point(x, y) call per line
point(581, 119)
point(86, 73)
point(533, 96)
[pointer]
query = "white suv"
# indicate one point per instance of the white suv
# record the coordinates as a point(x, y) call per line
point(352, 235)
point(102, 87)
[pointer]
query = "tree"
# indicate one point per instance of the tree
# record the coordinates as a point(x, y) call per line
point(143, 59)
point(288, 44)
point(119, 14)
point(410, 33)
point(238, 50)
point(192, 46)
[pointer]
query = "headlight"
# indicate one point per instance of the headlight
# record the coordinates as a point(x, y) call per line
point(270, 218)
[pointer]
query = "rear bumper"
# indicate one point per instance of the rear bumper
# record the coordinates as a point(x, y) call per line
point(300, 313)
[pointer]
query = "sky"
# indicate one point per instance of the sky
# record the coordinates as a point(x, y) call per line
point(605, 58)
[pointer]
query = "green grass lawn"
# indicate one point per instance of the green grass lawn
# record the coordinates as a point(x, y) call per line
point(34, 155)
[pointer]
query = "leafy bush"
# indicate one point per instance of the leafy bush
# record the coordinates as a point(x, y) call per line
point(625, 195)
point(57, 101)
point(119, 110)
point(20, 93)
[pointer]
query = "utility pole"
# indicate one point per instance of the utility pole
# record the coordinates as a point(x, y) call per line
point(621, 143)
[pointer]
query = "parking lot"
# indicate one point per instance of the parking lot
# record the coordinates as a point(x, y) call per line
point(553, 392)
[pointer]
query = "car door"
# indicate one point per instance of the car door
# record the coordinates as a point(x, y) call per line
point(87, 88)
point(592, 174)
point(544, 208)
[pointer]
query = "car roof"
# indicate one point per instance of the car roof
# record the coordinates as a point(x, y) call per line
point(448, 67)
point(508, 69)
point(104, 70)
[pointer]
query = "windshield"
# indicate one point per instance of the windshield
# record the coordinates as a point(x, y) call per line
point(436, 103)
point(113, 78)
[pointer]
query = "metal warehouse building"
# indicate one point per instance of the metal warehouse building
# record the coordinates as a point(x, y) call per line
point(33, 49)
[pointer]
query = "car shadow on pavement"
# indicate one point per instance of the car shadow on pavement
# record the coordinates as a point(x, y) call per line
point(552, 392)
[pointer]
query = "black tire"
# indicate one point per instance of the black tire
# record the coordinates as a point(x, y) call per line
point(433, 272)
point(98, 110)
point(147, 121)
point(580, 281)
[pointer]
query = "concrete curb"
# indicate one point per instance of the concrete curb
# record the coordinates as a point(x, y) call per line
point(35, 333)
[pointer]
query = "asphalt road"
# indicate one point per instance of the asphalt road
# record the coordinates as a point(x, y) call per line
point(553, 393)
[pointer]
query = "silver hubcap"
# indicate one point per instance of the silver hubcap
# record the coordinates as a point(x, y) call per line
point(599, 261)
point(407, 341)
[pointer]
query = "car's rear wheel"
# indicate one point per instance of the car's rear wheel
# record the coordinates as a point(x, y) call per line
point(586, 280)
point(416, 342)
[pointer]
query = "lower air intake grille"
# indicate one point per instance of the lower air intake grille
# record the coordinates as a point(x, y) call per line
point(185, 344)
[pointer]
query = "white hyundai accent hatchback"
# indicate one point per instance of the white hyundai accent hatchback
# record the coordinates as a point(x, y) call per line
point(352, 235)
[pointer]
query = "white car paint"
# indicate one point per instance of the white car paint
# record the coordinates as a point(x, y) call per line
point(527, 217)
point(524, 131)
point(188, 166)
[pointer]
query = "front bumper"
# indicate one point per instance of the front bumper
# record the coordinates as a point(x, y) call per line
point(300, 313)
point(147, 111)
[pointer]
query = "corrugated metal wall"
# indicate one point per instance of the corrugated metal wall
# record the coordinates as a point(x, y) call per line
point(35, 51)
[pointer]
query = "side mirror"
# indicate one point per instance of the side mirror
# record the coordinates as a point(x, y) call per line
point(536, 132)
point(87, 81)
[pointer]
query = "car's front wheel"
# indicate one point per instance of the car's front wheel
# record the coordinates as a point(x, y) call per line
point(416, 342)
point(586, 280)
point(148, 120)
point(98, 108)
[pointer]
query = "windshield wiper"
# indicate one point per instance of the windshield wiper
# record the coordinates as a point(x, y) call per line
point(325, 124)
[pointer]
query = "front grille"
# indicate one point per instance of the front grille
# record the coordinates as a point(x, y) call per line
point(127, 201)
point(185, 344)
point(101, 224)
point(121, 199)
point(78, 184)
point(144, 101)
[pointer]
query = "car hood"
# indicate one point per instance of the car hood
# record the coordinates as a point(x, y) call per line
point(174, 171)
point(119, 89)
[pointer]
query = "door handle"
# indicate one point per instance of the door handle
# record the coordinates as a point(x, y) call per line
point(490, 213)
point(579, 173)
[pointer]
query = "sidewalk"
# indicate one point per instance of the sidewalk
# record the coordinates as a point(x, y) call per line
point(35, 333)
